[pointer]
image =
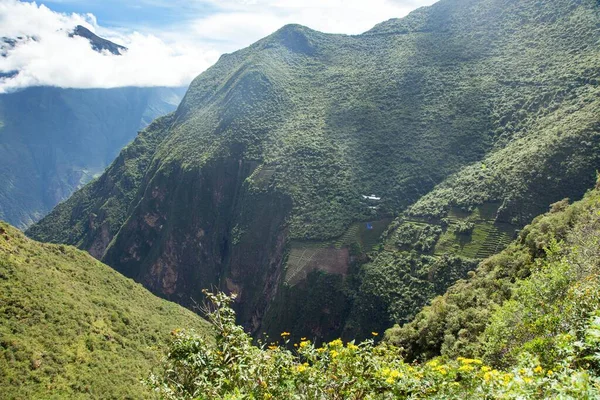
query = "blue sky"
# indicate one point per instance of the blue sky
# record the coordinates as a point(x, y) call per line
point(169, 41)
point(135, 14)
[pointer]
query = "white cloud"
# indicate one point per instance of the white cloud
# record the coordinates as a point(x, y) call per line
point(242, 22)
point(167, 57)
point(48, 56)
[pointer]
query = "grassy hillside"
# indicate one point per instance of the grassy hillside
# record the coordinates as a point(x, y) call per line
point(459, 108)
point(72, 327)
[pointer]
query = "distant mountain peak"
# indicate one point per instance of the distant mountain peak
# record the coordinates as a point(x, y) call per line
point(98, 44)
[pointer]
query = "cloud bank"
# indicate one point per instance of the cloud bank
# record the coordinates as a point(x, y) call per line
point(45, 55)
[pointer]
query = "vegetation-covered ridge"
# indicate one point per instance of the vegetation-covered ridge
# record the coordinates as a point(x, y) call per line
point(72, 327)
point(534, 296)
point(297, 138)
point(234, 368)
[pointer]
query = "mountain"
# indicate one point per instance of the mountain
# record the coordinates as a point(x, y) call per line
point(71, 327)
point(447, 131)
point(99, 44)
point(53, 141)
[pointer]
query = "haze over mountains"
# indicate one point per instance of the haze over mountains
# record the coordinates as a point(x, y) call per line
point(54, 140)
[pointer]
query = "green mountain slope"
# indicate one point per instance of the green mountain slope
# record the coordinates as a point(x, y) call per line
point(53, 141)
point(528, 298)
point(71, 327)
point(476, 114)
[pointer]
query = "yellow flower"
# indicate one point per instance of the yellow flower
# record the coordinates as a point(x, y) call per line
point(538, 369)
point(284, 334)
point(301, 368)
point(528, 380)
point(550, 372)
point(433, 363)
point(304, 344)
point(469, 361)
point(487, 376)
point(320, 350)
point(352, 346)
point(485, 369)
point(466, 368)
point(395, 374)
point(374, 333)
point(336, 343)
point(334, 354)
point(272, 347)
point(389, 381)
point(442, 370)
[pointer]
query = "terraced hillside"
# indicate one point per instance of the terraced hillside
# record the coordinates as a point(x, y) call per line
point(476, 234)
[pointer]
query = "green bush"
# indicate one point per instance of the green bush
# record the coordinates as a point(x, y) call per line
point(234, 368)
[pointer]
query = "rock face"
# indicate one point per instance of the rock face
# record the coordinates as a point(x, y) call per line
point(269, 157)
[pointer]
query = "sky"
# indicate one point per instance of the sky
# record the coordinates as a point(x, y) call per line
point(169, 42)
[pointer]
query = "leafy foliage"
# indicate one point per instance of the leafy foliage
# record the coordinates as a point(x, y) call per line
point(71, 327)
point(233, 368)
point(535, 296)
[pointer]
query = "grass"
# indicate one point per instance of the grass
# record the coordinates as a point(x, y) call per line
point(72, 327)
point(486, 238)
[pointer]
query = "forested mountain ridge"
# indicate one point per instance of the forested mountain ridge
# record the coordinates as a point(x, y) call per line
point(261, 181)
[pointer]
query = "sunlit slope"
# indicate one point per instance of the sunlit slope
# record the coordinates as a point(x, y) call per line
point(72, 327)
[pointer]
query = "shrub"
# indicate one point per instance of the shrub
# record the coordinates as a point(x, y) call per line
point(233, 368)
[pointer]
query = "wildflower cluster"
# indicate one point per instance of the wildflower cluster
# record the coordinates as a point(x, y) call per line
point(233, 367)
